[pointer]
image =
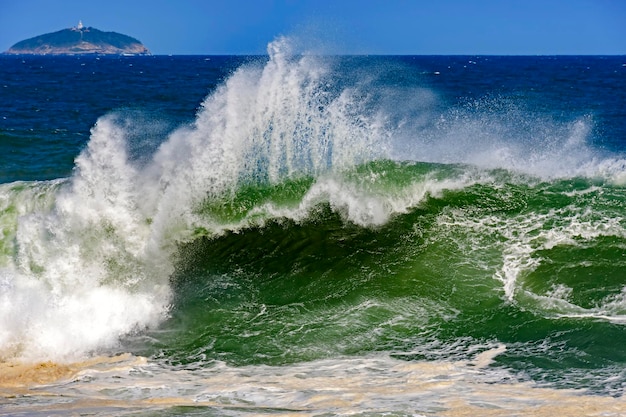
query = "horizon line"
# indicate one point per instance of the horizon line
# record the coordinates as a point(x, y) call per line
point(6, 53)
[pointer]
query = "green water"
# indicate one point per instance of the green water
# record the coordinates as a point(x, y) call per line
point(490, 258)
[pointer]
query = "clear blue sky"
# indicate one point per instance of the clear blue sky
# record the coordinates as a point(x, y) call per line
point(510, 27)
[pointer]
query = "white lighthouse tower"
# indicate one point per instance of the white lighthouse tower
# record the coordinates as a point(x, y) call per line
point(79, 27)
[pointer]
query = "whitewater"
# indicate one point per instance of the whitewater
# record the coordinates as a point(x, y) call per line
point(321, 239)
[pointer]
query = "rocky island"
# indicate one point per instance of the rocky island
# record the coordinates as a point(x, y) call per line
point(80, 40)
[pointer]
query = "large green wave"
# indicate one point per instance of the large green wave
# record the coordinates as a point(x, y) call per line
point(303, 216)
point(480, 259)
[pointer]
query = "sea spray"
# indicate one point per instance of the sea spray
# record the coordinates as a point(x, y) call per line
point(79, 277)
point(495, 132)
point(286, 120)
point(94, 264)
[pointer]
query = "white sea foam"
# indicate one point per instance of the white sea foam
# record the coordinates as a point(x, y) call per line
point(376, 385)
point(353, 202)
point(79, 276)
point(522, 237)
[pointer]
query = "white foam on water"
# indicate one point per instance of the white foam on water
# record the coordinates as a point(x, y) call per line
point(79, 277)
point(522, 237)
point(359, 202)
point(375, 385)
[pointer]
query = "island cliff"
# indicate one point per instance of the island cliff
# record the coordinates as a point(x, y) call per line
point(80, 40)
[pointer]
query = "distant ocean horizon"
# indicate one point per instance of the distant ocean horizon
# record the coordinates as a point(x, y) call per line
point(292, 233)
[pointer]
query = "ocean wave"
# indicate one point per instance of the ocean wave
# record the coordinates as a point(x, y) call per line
point(462, 207)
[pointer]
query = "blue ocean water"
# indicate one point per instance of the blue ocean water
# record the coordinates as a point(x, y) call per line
point(49, 104)
point(324, 235)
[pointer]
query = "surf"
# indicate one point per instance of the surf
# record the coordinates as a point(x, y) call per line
point(93, 261)
point(316, 213)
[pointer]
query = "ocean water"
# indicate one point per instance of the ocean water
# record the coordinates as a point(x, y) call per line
point(301, 234)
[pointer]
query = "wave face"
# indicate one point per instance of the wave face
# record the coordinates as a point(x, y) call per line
point(325, 209)
point(423, 261)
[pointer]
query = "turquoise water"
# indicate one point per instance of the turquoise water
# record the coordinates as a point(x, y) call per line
point(327, 218)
